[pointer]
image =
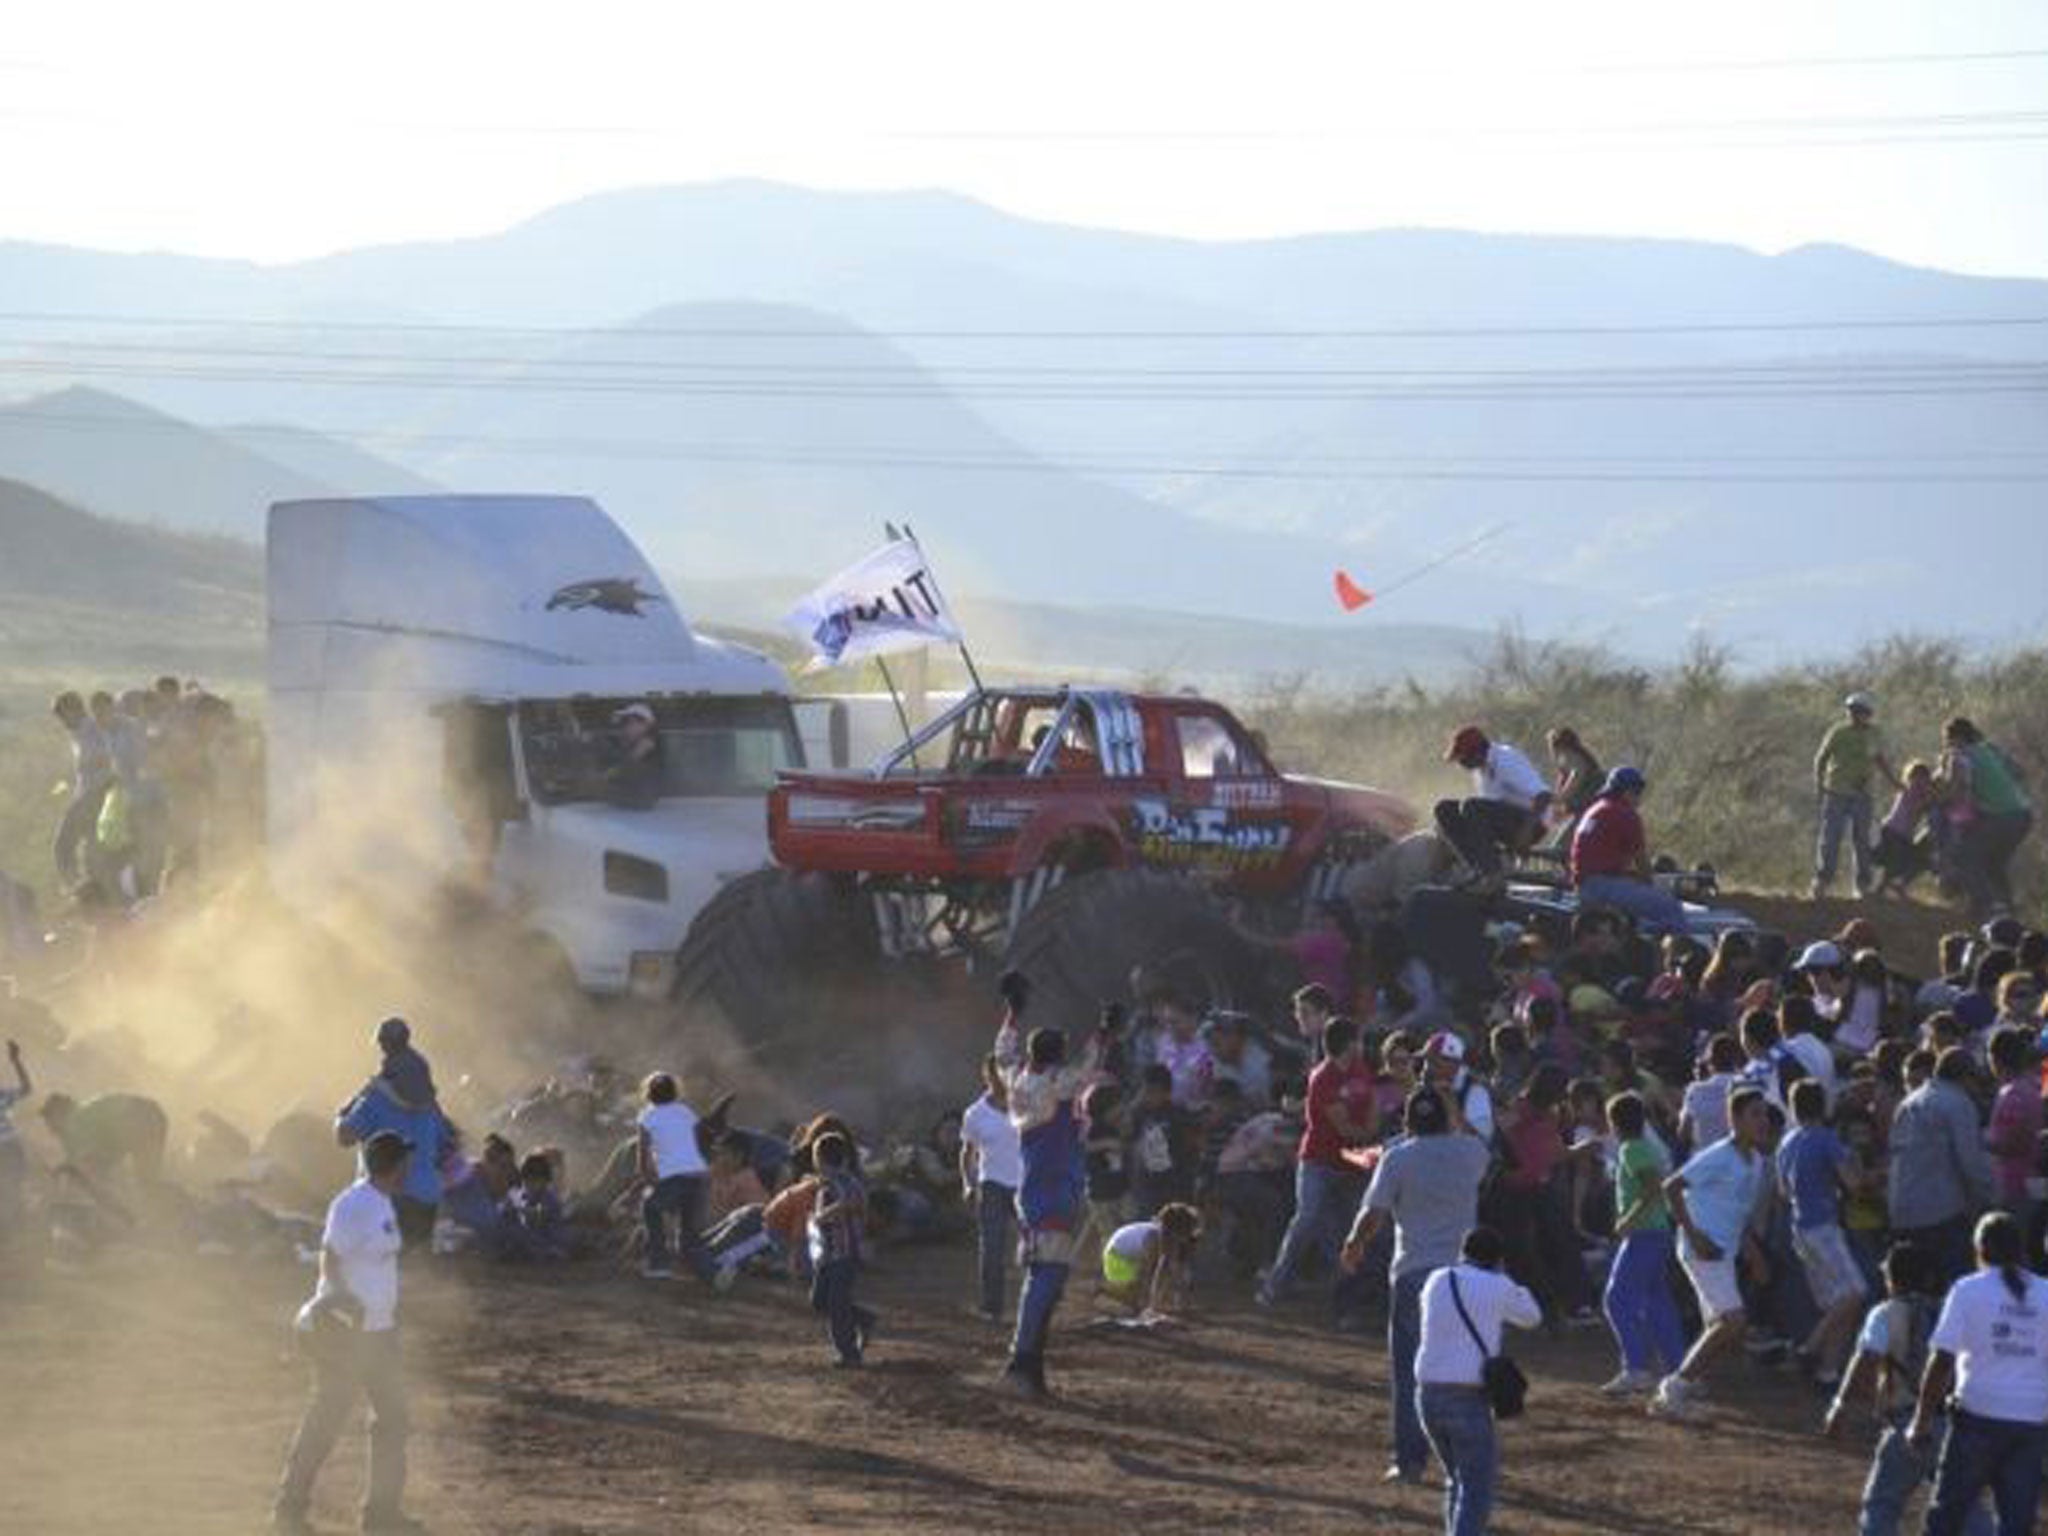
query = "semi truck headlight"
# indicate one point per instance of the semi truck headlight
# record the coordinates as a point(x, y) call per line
point(627, 874)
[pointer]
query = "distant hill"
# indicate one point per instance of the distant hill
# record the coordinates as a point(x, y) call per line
point(1208, 427)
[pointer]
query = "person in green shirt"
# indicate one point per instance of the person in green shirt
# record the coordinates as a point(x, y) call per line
point(1640, 1309)
point(103, 1132)
point(1990, 809)
point(1850, 754)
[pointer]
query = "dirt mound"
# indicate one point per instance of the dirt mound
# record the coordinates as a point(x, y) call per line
point(1910, 931)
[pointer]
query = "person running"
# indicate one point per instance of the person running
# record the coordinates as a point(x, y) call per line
point(1042, 1090)
point(1891, 1353)
point(1610, 858)
point(837, 1236)
point(1714, 1199)
point(1814, 1168)
point(672, 1172)
point(1640, 1309)
point(1988, 1362)
point(990, 1171)
point(1466, 1307)
point(1503, 813)
point(349, 1333)
point(1427, 1184)
point(1851, 754)
point(1339, 1115)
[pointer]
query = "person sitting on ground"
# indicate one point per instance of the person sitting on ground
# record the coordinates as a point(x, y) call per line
point(531, 1223)
point(1147, 1265)
point(1610, 858)
point(1505, 811)
point(772, 1231)
point(477, 1195)
point(108, 1131)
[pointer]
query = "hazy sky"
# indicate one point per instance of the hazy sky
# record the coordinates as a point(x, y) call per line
point(277, 130)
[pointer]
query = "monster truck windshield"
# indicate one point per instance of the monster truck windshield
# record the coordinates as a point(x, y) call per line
point(706, 746)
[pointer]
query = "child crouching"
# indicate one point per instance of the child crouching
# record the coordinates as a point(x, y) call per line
point(1146, 1265)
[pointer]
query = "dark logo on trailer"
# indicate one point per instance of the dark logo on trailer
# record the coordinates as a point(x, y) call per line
point(611, 594)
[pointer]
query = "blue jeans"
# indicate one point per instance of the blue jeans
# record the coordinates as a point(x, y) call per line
point(1404, 1338)
point(1325, 1200)
point(846, 1323)
point(1839, 814)
point(997, 1211)
point(1639, 1305)
point(680, 1195)
point(1654, 909)
point(1044, 1284)
point(1981, 1453)
point(1459, 1423)
point(1896, 1471)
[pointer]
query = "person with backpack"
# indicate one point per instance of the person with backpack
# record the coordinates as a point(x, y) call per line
point(1891, 1353)
point(1466, 1308)
point(1988, 1364)
point(1987, 803)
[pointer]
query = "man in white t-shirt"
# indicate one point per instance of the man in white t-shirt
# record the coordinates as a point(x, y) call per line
point(349, 1331)
point(991, 1168)
point(1991, 1346)
point(673, 1172)
point(1505, 809)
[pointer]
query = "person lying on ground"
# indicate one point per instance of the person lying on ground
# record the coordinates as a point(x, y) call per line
point(1147, 1265)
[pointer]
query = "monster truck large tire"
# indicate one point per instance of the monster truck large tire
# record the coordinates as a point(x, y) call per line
point(1081, 942)
point(770, 954)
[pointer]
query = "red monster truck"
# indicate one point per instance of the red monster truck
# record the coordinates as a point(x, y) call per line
point(1075, 834)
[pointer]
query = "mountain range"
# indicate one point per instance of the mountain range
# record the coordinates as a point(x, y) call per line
point(1643, 440)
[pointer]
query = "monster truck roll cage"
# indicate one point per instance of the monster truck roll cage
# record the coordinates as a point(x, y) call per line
point(1105, 718)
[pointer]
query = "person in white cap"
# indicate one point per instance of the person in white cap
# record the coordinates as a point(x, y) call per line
point(1850, 754)
point(634, 780)
point(1469, 1100)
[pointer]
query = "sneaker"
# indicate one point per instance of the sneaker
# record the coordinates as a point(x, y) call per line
point(657, 1272)
point(1817, 889)
point(1265, 1299)
point(724, 1278)
point(1400, 1474)
point(1629, 1384)
point(1676, 1398)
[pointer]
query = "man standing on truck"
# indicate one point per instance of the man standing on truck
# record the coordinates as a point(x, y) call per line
point(1505, 810)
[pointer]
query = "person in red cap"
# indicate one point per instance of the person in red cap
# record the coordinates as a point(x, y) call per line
point(1505, 810)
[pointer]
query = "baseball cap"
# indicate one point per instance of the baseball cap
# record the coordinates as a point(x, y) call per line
point(1445, 1044)
point(1859, 700)
point(634, 712)
point(1623, 780)
point(1469, 740)
point(1822, 956)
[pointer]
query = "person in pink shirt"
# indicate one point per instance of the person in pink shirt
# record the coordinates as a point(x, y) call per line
point(2014, 1134)
point(1324, 952)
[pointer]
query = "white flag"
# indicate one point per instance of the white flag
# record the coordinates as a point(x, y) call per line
point(888, 602)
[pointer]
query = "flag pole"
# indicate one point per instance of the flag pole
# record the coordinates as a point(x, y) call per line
point(902, 715)
point(966, 656)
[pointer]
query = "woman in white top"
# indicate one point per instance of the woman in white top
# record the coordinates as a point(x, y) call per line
point(1471, 1297)
point(1991, 1347)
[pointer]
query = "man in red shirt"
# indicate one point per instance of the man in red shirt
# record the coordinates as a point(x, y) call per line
point(1326, 1187)
point(1610, 859)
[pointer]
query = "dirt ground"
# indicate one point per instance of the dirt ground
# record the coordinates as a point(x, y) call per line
point(156, 1394)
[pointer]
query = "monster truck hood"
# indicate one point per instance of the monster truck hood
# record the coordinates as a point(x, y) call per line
point(1390, 814)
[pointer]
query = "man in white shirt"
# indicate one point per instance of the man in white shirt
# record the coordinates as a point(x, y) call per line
point(349, 1331)
point(1466, 1306)
point(991, 1168)
point(1505, 809)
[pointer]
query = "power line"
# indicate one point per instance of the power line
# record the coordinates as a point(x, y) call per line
point(1447, 468)
point(852, 333)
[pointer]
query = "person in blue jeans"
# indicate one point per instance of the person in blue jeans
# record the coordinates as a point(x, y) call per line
point(1466, 1307)
point(1887, 1363)
point(1427, 1184)
point(1338, 1114)
point(991, 1166)
point(1043, 1086)
point(673, 1171)
point(1988, 1361)
point(1640, 1308)
point(837, 1237)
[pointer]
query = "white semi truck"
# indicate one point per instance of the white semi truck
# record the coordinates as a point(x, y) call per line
point(446, 675)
